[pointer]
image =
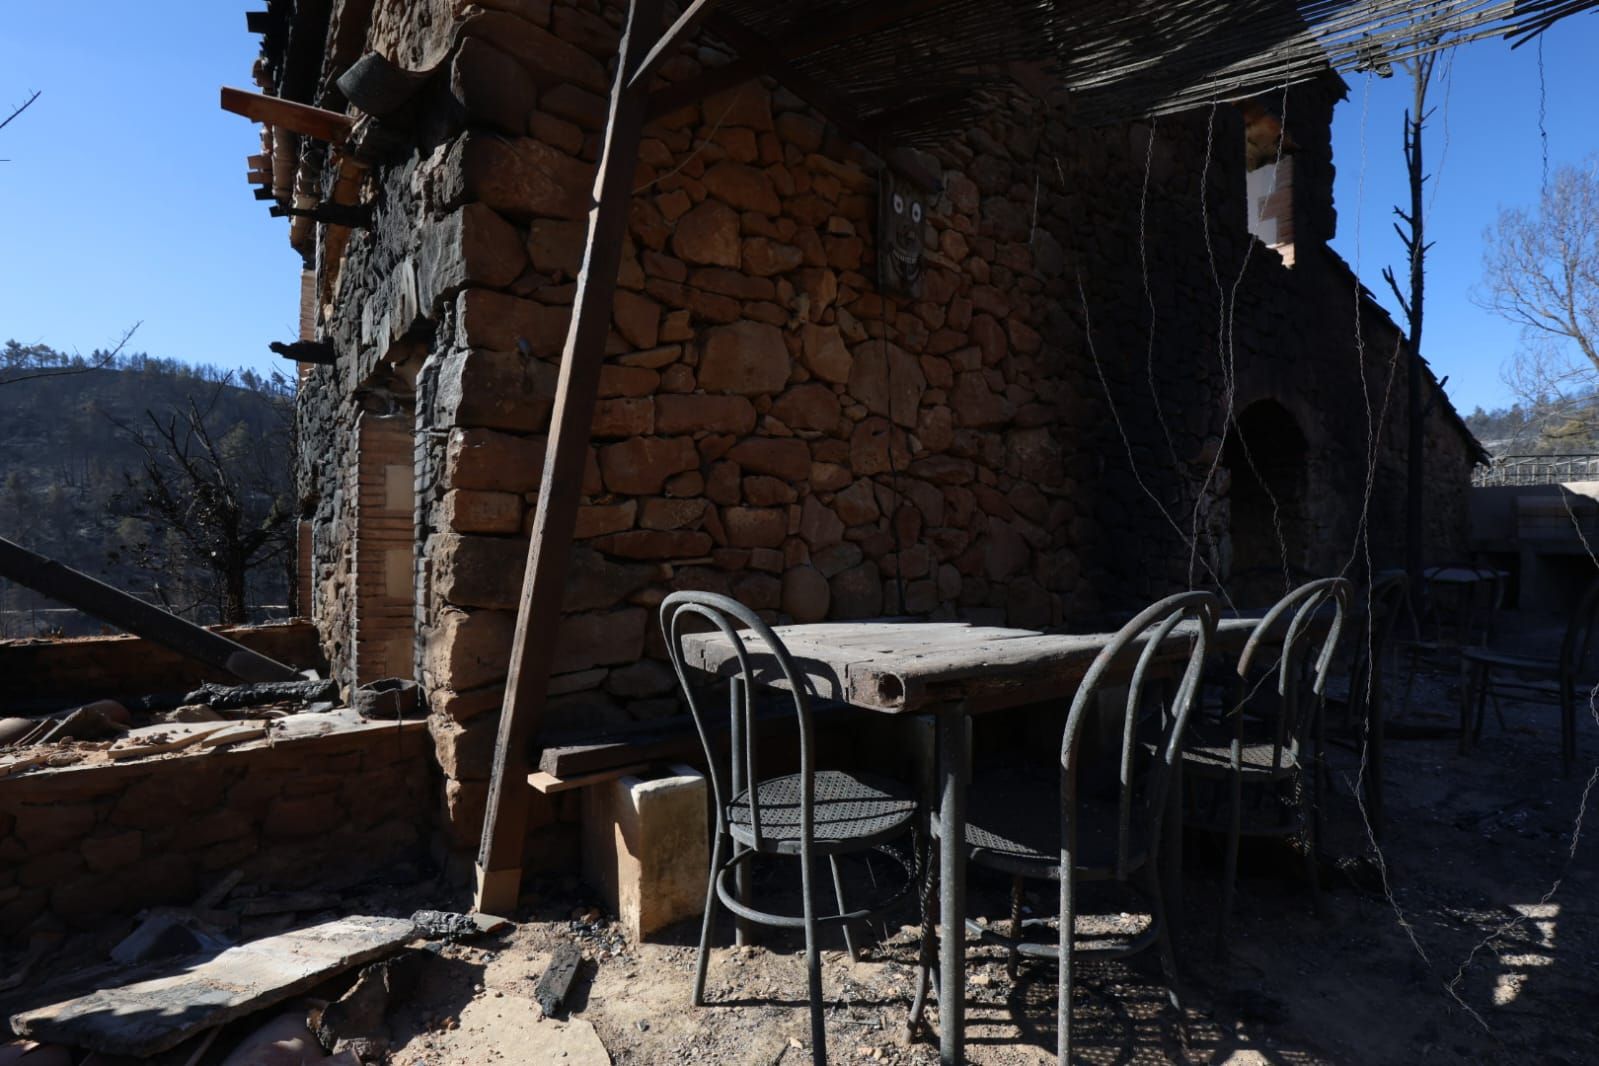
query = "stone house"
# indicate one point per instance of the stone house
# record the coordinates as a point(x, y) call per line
point(1039, 437)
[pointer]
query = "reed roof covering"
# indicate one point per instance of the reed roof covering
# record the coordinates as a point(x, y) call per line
point(913, 70)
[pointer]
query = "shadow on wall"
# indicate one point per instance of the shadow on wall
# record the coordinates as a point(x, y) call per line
point(1268, 523)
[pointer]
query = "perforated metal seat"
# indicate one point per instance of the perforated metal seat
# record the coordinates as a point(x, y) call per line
point(1209, 751)
point(850, 812)
point(1013, 824)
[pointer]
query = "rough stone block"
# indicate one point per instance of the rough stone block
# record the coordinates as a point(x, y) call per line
point(645, 847)
point(475, 571)
point(695, 412)
point(523, 178)
point(488, 319)
point(470, 246)
point(746, 358)
point(492, 87)
point(497, 462)
point(495, 390)
point(600, 639)
point(641, 466)
point(481, 511)
point(468, 649)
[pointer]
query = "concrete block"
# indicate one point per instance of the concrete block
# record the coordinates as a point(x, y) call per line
point(646, 847)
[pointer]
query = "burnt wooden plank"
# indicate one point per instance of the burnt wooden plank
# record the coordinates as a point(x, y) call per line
point(59, 582)
point(499, 866)
point(149, 1016)
point(555, 984)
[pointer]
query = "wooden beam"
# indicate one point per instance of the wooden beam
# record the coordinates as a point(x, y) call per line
point(678, 32)
point(50, 578)
point(315, 122)
point(499, 866)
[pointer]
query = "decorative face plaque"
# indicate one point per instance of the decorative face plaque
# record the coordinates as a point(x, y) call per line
point(900, 212)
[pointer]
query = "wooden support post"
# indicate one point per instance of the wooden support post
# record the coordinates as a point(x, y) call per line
point(59, 582)
point(499, 865)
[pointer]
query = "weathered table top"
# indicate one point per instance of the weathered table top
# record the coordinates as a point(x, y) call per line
point(900, 667)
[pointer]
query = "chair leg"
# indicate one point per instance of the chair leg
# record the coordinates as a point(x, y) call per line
point(813, 966)
point(742, 928)
point(927, 953)
point(1168, 957)
point(1063, 1009)
point(838, 894)
point(1469, 679)
point(706, 923)
point(1013, 956)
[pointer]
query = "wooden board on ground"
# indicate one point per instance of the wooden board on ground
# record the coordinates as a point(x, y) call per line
point(150, 1016)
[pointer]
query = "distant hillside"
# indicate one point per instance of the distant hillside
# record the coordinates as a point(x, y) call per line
point(65, 467)
point(1564, 425)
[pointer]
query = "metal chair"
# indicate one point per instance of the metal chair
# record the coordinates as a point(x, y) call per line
point(1258, 742)
point(806, 815)
point(1047, 828)
point(1490, 673)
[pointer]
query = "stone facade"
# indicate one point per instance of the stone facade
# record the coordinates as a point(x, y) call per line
point(1038, 439)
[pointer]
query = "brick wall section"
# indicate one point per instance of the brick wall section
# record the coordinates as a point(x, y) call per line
point(1020, 444)
point(79, 845)
point(384, 547)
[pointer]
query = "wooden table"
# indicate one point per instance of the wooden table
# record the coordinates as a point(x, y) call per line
point(948, 670)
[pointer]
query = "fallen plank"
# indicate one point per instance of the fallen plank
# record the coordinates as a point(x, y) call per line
point(62, 583)
point(161, 747)
point(151, 1016)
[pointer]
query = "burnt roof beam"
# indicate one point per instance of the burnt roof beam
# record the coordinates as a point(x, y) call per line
point(678, 32)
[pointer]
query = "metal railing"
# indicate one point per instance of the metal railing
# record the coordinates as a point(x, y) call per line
point(1538, 469)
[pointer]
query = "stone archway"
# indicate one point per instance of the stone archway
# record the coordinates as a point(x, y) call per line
point(1269, 530)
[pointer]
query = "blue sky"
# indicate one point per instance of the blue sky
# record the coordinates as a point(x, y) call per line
point(125, 197)
point(1484, 151)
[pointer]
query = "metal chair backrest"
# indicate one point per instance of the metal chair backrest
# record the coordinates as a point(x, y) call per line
point(1295, 708)
point(1579, 636)
point(1385, 601)
point(739, 625)
point(1142, 782)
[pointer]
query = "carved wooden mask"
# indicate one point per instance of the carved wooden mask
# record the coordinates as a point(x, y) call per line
point(901, 210)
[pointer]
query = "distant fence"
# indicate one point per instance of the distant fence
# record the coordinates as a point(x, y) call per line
point(1538, 469)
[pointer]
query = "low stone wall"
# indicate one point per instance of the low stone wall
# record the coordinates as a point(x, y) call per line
point(91, 668)
point(79, 845)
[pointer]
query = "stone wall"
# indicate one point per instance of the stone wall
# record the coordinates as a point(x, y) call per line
point(81, 844)
point(1037, 439)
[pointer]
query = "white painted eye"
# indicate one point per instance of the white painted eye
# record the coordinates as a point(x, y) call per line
point(899, 204)
point(916, 212)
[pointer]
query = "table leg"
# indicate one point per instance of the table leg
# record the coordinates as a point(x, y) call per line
point(1172, 860)
point(952, 888)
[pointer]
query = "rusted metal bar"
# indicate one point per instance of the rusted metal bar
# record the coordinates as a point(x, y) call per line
point(59, 582)
point(499, 866)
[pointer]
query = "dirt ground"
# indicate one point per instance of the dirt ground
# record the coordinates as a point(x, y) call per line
point(1486, 951)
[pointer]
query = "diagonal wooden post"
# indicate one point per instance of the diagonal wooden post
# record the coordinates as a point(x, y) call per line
point(499, 865)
